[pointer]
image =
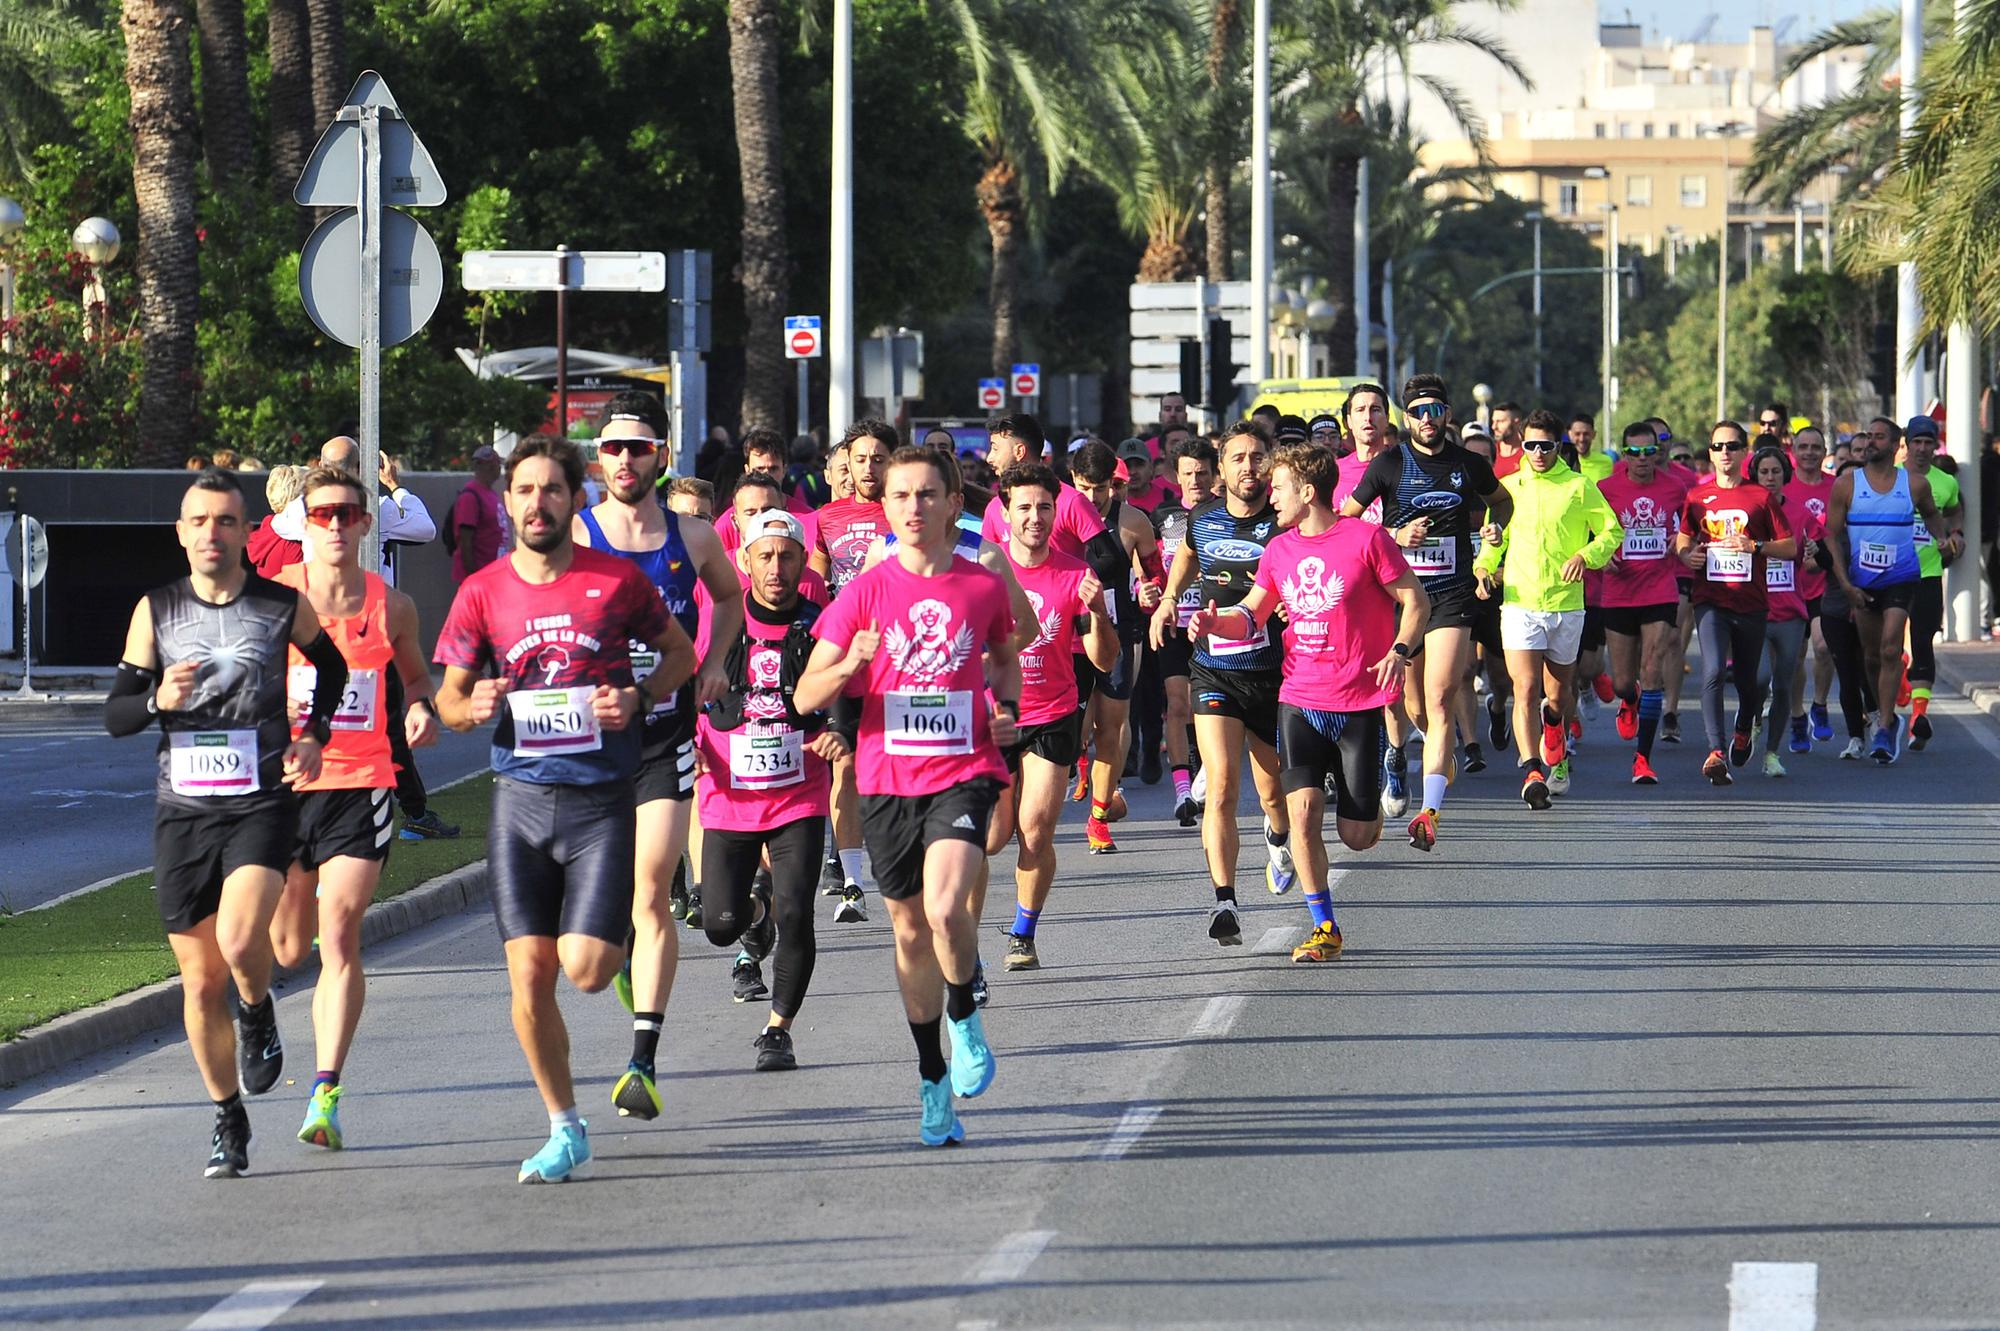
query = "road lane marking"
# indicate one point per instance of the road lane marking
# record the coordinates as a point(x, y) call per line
point(1773, 1296)
point(1336, 875)
point(255, 1306)
point(1218, 1015)
point(1128, 1132)
point(1279, 940)
point(1012, 1256)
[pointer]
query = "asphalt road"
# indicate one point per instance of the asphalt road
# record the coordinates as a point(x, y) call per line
point(1574, 1070)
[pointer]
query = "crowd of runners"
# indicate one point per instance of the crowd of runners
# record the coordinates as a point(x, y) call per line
point(706, 716)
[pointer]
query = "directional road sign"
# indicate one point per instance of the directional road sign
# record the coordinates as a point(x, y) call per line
point(802, 336)
point(992, 394)
point(566, 269)
point(1027, 380)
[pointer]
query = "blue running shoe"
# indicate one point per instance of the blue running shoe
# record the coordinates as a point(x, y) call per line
point(1883, 749)
point(1395, 785)
point(1822, 724)
point(322, 1125)
point(1801, 738)
point(567, 1151)
point(940, 1126)
point(971, 1058)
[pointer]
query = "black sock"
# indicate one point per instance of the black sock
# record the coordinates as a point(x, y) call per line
point(958, 1000)
point(230, 1107)
point(930, 1048)
point(1227, 894)
point(1630, 693)
point(259, 1014)
point(646, 1037)
point(1278, 838)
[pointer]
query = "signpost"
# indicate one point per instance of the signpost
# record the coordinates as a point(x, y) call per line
point(369, 276)
point(802, 343)
point(1027, 380)
point(992, 394)
point(24, 558)
point(690, 285)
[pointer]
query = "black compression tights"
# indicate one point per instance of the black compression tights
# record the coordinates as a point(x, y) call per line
point(730, 861)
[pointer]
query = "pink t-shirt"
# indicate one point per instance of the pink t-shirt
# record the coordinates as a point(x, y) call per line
point(1155, 493)
point(1341, 617)
point(924, 723)
point(759, 775)
point(1645, 570)
point(847, 527)
point(1352, 467)
point(1077, 521)
point(1805, 509)
point(1048, 668)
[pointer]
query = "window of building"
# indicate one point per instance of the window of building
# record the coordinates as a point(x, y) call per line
point(1694, 191)
point(1624, 129)
point(1639, 191)
point(1566, 198)
point(1646, 130)
point(1673, 131)
point(1600, 129)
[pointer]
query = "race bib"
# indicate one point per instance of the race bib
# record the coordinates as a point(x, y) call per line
point(1435, 558)
point(1644, 543)
point(554, 721)
point(1728, 565)
point(766, 757)
point(1779, 574)
point(927, 723)
point(644, 661)
point(357, 703)
point(1921, 534)
point(1185, 607)
point(212, 762)
point(1240, 646)
point(1876, 556)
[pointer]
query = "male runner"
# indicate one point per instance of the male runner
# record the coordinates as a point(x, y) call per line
point(344, 828)
point(1234, 681)
point(1927, 611)
point(673, 554)
point(1433, 491)
point(1193, 461)
point(206, 655)
point(1560, 527)
point(1508, 452)
point(907, 637)
point(556, 621)
point(1354, 614)
point(1640, 590)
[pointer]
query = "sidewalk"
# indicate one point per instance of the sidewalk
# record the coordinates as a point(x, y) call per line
point(1971, 669)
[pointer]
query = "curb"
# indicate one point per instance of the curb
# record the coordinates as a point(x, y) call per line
point(1983, 692)
point(128, 1017)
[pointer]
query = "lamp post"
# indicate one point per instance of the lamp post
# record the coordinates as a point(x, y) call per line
point(1724, 131)
point(1535, 218)
point(12, 222)
point(1673, 251)
point(1483, 395)
point(1262, 227)
point(1609, 326)
point(840, 240)
point(97, 240)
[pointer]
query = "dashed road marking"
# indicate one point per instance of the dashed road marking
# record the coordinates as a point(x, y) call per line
point(1011, 1257)
point(1218, 1015)
point(1128, 1132)
point(1282, 939)
point(1773, 1296)
point(255, 1306)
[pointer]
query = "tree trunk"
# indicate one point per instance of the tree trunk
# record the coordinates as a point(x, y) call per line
point(1221, 40)
point(1005, 210)
point(160, 75)
point(226, 126)
point(765, 271)
point(1343, 172)
point(1168, 259)
point(290, 94)
point(330, 83)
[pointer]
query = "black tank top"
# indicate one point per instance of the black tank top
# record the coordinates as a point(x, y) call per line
point(1131, 620)
point(241, 688)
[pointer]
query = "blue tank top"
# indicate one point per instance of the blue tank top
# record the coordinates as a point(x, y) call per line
point(672, 573)
point(968, 544)
point(1881, 534)
point(1229, 549)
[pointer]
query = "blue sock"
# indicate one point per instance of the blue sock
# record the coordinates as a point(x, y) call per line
point(324, 1077)
point(1024, 921)
point(1321, 905)
point(1652, 702)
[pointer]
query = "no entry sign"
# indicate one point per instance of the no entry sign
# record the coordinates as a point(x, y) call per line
point(1027, 380)
point(801, 336)
point(992, 394)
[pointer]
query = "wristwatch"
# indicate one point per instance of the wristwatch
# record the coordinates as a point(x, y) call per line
point(321, 730)
point(1400, 650)
point(1013, 707)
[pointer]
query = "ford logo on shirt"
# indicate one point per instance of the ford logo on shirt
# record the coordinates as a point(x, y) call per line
point(1240, 551)
point(1435, 499)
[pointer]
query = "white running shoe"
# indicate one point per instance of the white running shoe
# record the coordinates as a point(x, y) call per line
point(1199, 789)
point(1772, 767)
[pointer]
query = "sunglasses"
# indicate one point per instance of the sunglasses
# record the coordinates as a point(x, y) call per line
point(1427, 410)
point(1642, 450)
point(1727, 448)
point(324, 515)
point(638, 448)
point(1539, 445)
point(1773, 422)
point(1680, 457)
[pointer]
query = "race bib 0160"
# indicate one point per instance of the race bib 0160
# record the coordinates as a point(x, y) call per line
point(1644, 543)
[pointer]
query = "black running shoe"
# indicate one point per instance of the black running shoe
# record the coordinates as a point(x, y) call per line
point(980, 993)
point(1670, 728)
point(1187, 812)
point(831, 880)
point(1131, 762)
point(260, 1054)
point(761, 937)
point(1475, 757)
point(229, 1148)
point(774, 1050)
point(746, 980)
point(1920, 731)
point(1496, 720)
point(693, 916)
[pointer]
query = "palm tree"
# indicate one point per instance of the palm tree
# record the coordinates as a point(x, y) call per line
point(289, 96)
point(160, 75)
point(40, 76)
point(1853, 135)
point(1155, 151)
point(1224, 66)
point(328, 22)
point(226, 128)
point(765, 269)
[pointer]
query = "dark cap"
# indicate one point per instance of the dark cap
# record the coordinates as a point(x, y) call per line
point(1292, 430)
point(1326, 420)
point(1135, 448)
point(1922, 425)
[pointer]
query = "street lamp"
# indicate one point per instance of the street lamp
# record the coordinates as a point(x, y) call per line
point(1673, 233)
point(1535, 218)
point(1483, 395)
point(1724, 131)
point(97, 240)
point(1609, 327)
point(12, 222)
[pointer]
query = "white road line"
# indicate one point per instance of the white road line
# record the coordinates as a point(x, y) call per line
point(255, 1306)
point(1011, 1257)
point(1128, 1132)
point(1336, 875)
point(1279, 940)
point(1773, 1296)
point(1218, 1015)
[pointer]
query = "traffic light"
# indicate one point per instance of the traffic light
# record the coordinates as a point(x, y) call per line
point(1635, 278)
point(1222, 369)
point(1190, 370)
point(1882, 360)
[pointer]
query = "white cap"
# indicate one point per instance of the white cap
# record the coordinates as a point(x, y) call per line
point(772, 522)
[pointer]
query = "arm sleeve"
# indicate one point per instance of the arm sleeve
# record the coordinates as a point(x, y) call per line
point(330, 680)
point(125, 709)
point(404, 518)
point(1152, 566)
point(1105, 554)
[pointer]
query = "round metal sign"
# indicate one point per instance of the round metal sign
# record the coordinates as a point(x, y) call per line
point(330, 277)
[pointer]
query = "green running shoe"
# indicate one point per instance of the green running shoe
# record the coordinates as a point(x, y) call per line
point(621, 984)
point(322, 1125)
point(635, 1095)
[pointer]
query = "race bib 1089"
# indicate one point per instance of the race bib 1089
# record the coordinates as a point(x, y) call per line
point(205, 763)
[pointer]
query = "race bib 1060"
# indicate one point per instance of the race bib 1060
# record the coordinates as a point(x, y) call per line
point(927, 723)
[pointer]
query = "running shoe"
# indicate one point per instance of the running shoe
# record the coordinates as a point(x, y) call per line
point(1223, 925)
point(1772, 767)
point(636, 1095)
point(1322, 944)
point(1670, 728)
point(260, 1054)
point(1559, 778)
point(1475, 757)
point(1535, 790)
point(1855, 750)
point(1150, 770)
point(1021, 954)
point(1628, 720)
point(1801, 741)
point(1576, 734)
point(1187, 813)
point(1903, 689)
point(1424, 829)
point(1131, 761)
point(1280, 873)
point(566, 1151)
point(1395, 784)
point(972, 1064)
point(1883, 750)
point(1082, 786)
point(322, 1125)
point(940, 1125)
point(1822, 724)
point(1920, 731)
point(774, 1050)
point(229, 1147)
point(1739, 748)
point(1199, 786)
point(980, 993)
point(831, 879)
point(761, 937)
point(1098, 833)
point(693, 915)
point(1603, 687)
point(746, 980)
point(1117, 808)
point(427, 827)
point(1553, 745)
point(1642, 771)
point(853, 907)
point(1496, 720)
point(621, 984)
point(1716, 768)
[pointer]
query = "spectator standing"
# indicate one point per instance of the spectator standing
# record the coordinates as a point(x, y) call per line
point(478, 528)
point(267, 550)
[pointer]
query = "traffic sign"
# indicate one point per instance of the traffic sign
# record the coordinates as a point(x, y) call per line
point(37, 538)
point(564, 269)
point(1027, 380)
point(332, 178)
point(412, 277)
point(992, 394)
point(802, 336)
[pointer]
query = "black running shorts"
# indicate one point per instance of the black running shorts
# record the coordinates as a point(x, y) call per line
point(1249, 696)
point(1486, 628)
point(897, 829)
point(1628, 620)
point(1313, 745)
point(195, 850)
point(1055, 741)
point(1593, 630)
point(1174, 654)
point(354, 823)
point(559, 859)
point(665, 773)
point(1897, 596)
point(1453, 608)
point(1117, 685)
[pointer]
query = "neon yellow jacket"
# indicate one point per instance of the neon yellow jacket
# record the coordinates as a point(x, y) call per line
point(1558, 513)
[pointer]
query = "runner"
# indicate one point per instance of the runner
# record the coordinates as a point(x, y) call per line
point(205, 655)
point(1594, 681)
point(765, 785)
point(1432, 492)
point(1561, 526)
point(1927, 611)
point(1354, 614)
point(1073, 624)
point(1787, 619)
point(344, 826)
point(906, 636)
point(1640, 590)
point(1805, 505)
point(1193, 461)
point(556, 621)
point(1729, 529)
point(1234, 682)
